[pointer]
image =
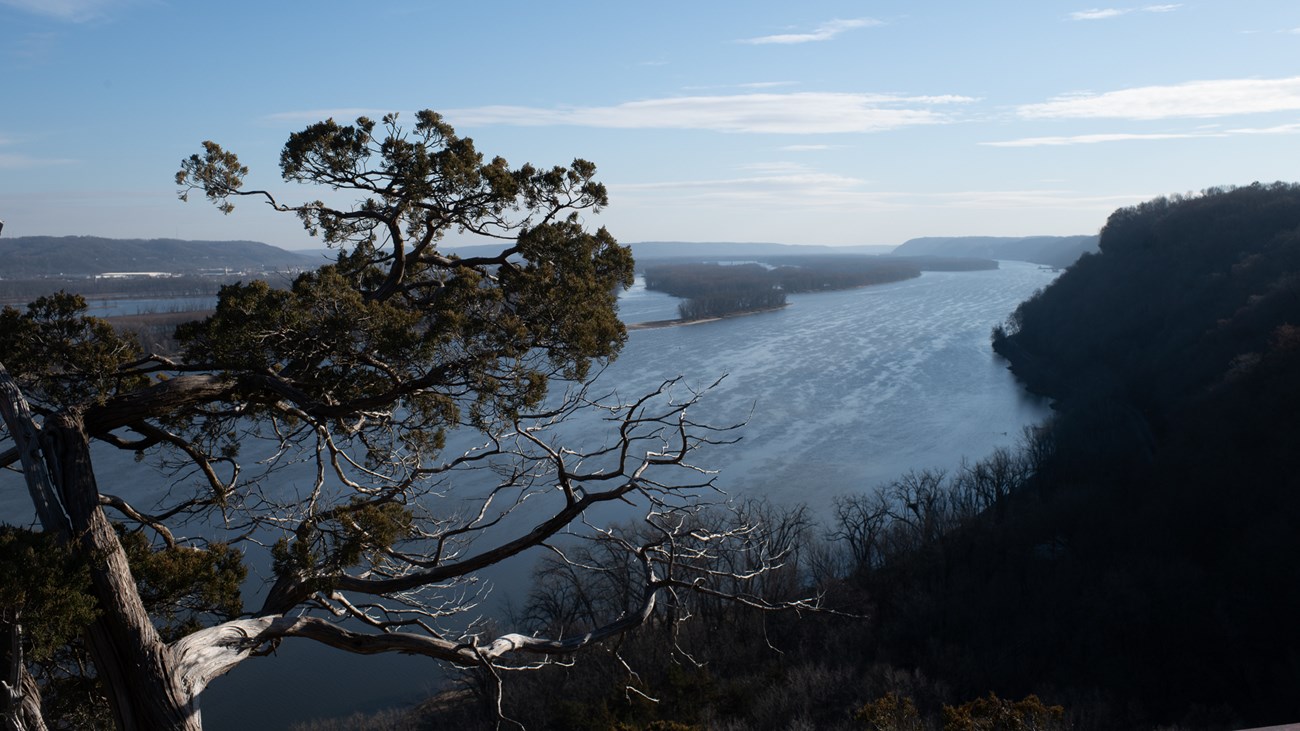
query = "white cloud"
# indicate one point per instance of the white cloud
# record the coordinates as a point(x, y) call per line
point(1096, 138)
point(1092, 139)
point(809, 148)
point(10, 161)
point(813, 191)
point(766, 84)
point(75, 11)
point(823, 32)
point(795, 113)
point(1097, 14)
point(1104, 13)
point(1281, 129)
point(20, 162)
point(1201, 99)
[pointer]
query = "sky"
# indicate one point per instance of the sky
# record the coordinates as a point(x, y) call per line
point(848, 122)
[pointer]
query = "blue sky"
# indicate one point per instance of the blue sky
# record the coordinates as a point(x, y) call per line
point(853, 122)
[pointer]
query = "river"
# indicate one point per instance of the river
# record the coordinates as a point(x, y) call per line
point(840, 392)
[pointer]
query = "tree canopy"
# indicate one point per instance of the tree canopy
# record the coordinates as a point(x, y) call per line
point(305, 430)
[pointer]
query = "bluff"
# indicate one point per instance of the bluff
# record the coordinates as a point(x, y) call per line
point(1171, 494)
point(1054, 251)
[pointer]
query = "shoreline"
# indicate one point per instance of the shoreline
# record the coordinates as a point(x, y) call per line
point(659, 324)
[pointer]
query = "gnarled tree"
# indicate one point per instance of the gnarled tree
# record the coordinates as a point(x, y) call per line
point(371, 437)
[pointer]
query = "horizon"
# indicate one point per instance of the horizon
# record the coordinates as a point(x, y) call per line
point(781, 124)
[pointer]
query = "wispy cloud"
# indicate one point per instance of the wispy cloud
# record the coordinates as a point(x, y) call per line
point(1096, 138)
point(789, 188)
point(73, 11)
point(24, 162)
point(828, 192)
point(794, 113)
point(1203, 99)
point(809, 148)
point(1105, 13)
point(19, 161)
point(1092, 139)
point(766, 84)
point(823, 32)
point(1097, 14)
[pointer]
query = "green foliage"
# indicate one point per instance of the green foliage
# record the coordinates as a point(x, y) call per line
point(889, 712)
point(182, 586)
point(44, 588)
point(60, 356)
point(345, 537)
point(995, 714)
point(216, 171)
point(371, 327)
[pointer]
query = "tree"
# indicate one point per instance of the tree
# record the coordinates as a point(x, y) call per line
point(419, 392)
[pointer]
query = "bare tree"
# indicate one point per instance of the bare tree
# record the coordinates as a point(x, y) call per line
point(373, 436)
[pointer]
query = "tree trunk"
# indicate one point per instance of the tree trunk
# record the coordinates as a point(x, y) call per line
point(145, 683)
point(146, 689)
point(20, 697)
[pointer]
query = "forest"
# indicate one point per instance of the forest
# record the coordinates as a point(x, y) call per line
point(715, 289)
point(1128, 566)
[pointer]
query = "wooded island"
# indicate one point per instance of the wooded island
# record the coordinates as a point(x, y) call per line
point(717, 289)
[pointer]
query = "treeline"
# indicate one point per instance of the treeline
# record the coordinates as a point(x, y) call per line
point(712, 289)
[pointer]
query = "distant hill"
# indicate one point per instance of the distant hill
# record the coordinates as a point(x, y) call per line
point(1055, 251)
point(46, 256)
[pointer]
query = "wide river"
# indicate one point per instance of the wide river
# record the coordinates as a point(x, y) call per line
point(840, 392)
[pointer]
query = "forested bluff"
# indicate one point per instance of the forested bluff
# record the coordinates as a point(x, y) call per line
point(1130, 566)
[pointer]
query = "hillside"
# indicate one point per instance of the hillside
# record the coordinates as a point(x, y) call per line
point(1054, 251)
point(46, 256)
point(1171, 491)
